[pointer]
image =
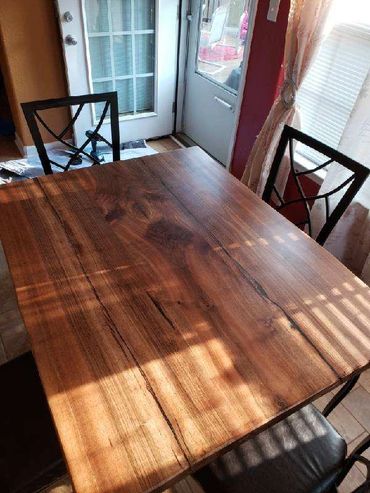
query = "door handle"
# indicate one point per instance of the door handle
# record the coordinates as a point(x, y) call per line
point(225, 104)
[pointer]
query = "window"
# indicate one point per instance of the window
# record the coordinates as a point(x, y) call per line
point(121, 39)
point(330, 89)
point(222, 38)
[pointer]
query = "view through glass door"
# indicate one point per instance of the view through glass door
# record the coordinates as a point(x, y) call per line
point(218, 43)
point(122, 45)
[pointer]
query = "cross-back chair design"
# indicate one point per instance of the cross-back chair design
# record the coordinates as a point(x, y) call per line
point(34, 120)
point(352, 184)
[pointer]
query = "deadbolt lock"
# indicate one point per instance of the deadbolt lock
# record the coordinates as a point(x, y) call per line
point(70, 40)
point(67, 16)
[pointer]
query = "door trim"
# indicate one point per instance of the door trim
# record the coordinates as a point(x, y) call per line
point(178, 64)
point(182, 63)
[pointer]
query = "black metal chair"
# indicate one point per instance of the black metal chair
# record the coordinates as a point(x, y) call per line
point(34, 120)
point(358, 175)
point(30, 456)
point(301, 454)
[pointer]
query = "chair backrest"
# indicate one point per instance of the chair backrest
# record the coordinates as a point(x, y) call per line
point(34, 120)
point(351, 185)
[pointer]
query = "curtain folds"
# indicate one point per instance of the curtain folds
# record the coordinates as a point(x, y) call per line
point(305, 31)
point(350, 239)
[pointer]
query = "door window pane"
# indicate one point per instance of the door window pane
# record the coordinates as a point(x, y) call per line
point(121, 53)
point(144, 94)
point(100, 57)
point(125, 90)
point(144, 53)
point(122, 50)
point(121, 15)
point(222, 37)
point(144, 14)
point(97, 17)
point(98, 88)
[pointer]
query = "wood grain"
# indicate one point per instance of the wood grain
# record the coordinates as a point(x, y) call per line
point(172, 313)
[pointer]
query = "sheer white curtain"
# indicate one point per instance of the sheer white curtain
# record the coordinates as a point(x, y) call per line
point(350, 240)
point(305, 31)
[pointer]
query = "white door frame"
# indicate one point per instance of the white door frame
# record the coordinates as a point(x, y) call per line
point(183, 54)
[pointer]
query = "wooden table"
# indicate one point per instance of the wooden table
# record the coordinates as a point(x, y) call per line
point(172, 314)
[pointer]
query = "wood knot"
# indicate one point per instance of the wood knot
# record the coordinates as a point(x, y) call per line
point(169, 234)
point(114, 214)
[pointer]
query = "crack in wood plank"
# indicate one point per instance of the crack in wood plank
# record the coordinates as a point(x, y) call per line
point(115, 331)
point(251, 280)
point(161, 310)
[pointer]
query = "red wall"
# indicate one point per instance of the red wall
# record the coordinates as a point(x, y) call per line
point(296, 212)
point(263, 75)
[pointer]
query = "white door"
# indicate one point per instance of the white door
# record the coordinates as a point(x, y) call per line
point(219, 38)
point(128, 46)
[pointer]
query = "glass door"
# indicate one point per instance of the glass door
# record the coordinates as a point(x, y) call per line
point(219, 39)
point(122, 45)
point(222, 37)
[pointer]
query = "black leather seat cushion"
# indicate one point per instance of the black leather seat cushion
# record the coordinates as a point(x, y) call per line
point(301, 454)
point(30, 457)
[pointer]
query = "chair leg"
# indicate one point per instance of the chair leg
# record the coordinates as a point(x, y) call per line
point(345, 390)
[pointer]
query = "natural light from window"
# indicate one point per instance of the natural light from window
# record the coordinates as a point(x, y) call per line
point(331, 87)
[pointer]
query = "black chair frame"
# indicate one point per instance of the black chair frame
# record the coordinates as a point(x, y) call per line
point(30, 455)
point(359, 175)
point(356, 454)
point(31, 112)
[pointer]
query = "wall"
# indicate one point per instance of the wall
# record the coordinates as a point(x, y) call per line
point(31, 59)
point(263, 75)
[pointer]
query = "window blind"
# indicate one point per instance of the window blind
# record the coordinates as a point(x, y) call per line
point(331, 87)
